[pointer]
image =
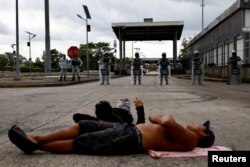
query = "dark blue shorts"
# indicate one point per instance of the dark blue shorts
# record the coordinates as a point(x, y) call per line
point(97, 138)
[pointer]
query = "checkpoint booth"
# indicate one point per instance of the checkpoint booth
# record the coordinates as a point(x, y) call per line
point(148, 30)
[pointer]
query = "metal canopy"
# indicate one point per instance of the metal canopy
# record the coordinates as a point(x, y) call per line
point(148, 31)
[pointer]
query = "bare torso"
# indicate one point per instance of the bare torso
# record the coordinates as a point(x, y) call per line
point(155, 137)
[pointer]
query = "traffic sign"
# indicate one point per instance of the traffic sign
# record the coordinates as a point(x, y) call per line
point(73, 50)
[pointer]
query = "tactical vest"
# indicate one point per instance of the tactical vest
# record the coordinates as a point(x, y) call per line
point(164, 63)
point(137, 64)
point(75, 62)
point(105, 60)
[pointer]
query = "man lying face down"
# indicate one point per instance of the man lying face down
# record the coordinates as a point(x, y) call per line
point(162, 133)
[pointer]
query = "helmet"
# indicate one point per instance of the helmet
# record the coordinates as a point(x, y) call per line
point(137, 55)
point(105, 54)
point(233, 51)
point(196, 52)
point(164, 54)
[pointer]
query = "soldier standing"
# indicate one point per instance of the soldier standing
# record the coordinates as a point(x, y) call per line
point(105, 68)
point(164, 63)
point(76, 63)
point(63, 64)
point(137, 71)
point(197, 67)
point(234, 70)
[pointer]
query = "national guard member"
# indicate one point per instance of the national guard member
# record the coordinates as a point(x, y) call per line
point(104, 67)
point(136, 69)
point(63, 64)
point(234, 70)
point(163, 68)
point(197, 68)
point(76, 63)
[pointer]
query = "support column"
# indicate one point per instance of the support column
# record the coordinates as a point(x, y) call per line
point(47, 39)
point(120, 50)
point(175, 49)
point(124, 53)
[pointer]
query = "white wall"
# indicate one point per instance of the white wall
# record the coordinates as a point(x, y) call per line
point(247, 18)
point(240, 46)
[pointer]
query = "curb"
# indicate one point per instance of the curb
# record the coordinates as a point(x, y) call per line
point(43, 83)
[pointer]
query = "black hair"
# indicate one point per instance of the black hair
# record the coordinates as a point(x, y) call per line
point(207, 141)
point(103, 111)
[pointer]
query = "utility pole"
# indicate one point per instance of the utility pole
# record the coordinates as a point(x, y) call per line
point(17, 77)
point(202, 15)
point(47, 38)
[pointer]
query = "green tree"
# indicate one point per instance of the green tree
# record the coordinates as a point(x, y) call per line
point(184, 45)
point(183, 57)
point(55, 56)
point(94, 52)
point(12, 60)
point(38, 63)
point(3, 61)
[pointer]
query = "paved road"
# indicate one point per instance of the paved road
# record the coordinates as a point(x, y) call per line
point(49, 108)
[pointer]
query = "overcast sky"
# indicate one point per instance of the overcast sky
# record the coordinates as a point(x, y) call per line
point(67, 29)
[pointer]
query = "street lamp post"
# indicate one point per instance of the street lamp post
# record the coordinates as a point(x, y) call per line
point(17, 44)
point(13, 53)
point(202, 14)
point(87, 45)
point(31, 35)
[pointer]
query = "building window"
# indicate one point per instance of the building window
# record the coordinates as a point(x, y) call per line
point(246, 57)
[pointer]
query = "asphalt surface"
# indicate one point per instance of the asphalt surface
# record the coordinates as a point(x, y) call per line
point(43, 109)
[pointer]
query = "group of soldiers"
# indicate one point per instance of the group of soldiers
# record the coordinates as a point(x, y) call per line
point(137, 68)
point(74, 64)
point(233, 69)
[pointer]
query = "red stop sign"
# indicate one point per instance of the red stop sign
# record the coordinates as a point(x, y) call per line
point(73, 50)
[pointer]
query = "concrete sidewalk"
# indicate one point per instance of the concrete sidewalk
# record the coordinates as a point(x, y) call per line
point(44, 80)
point(41, 81)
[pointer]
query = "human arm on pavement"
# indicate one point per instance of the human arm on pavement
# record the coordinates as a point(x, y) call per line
point(140, 111)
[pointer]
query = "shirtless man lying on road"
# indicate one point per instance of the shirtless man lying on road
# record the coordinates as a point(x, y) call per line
point(163, 133)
